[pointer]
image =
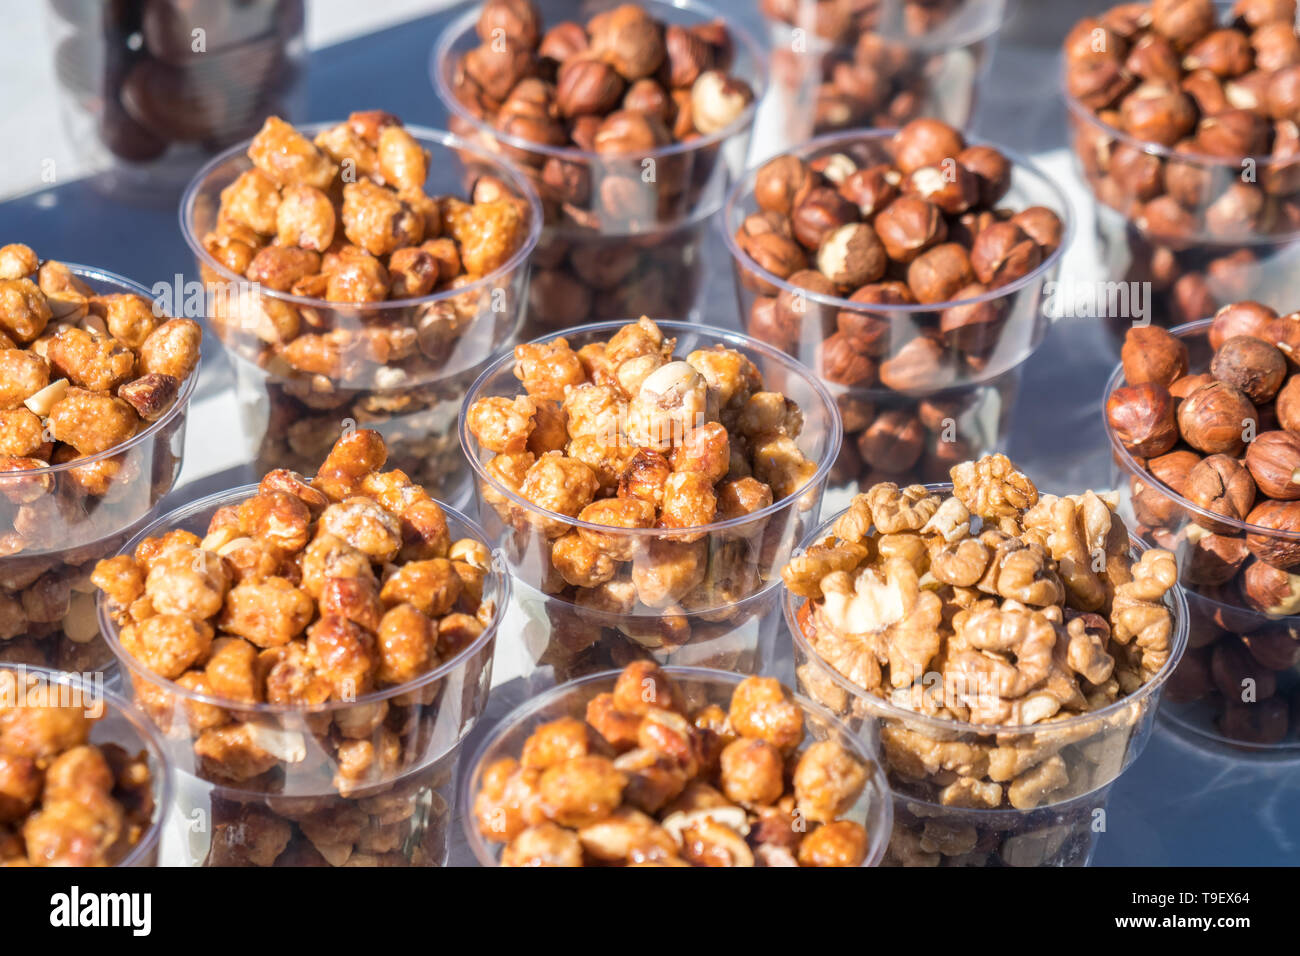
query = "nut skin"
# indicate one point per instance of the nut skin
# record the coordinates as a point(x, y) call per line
point(1252, 365)
point(925, 142)
point(1212, 559)
point(1232, 134)
point(938, 274)
point(871, 189)
point(991, 168)
point(1225, 53)
point(1154, 60)
point(1151, 354)
point(1142, 417)
point(1173, 469)
point(953, 188)
point(909, 226)
point(587, 86)
point(1283, 516)
point(629, 39)
point(1182, 22)
point(1240, 318)
point(1273, 459)
point(1220, 485)
point(852, 256)
point(1287, 407)
point(783, 183)
point(1003, 253)
point(972, 326)
point(920, 365)
point(893, 443)
point(846, 360)
point(1214, 419)
point(822, 211)
point(1098, 81)
point(1284, 332)
point(1157, 114)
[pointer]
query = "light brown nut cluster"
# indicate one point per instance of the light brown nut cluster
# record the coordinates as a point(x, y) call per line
point(63, 800)
point(646, 780)
point(345, 218)
point(307, 592)
point(994, 606)
point(623, 435)
point(80, 373)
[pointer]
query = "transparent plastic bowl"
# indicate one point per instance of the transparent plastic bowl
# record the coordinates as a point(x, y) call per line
point(743, 555)
point(120, 724)
point(1230, 640)
point(699, 687)
point(876, 74)
point(387, 814)
point(643, 250)
point(90, 506)
point(1095, 747)
point(799, 321)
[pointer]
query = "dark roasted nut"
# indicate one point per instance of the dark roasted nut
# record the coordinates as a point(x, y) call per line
point(648, 96)
point(1211, 559)
point(1287, 406)
point(937, 274)
point(1003, 253)
point(688, 55)
point(846, 361)
point(782, 184)
point(517, 20)
point(925, 142)
point(624, 132)
point(1273, 459)
point(1277, 647)
point(920, 365)
point(852, 255)
point(1274, 593)
point(953, 188)
point(587, 86)
point(1182, 22)
point(1232, 134)
point(991, 168)
point(1216, 419)
point(908, 227)
point(972, 326)
point(1281, 549)
point(1098, 81)
point(1137, 174)
point(629, 39)
point(150, 395)
point(1157, 114)
point(1240, 318)
point(893, 443)
point(821, 212)
point(1142, 417)
point(1154, 60)
point(1224, 53)
point(1151, 354)
point(871, 189)
point(1042, 225)
point(1220, 485)
point(498, 65)
point(1252, 365)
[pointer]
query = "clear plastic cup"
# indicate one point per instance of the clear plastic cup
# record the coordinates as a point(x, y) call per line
point(741, 556)
point(912, 355)
point(87, 508)
point(117, 723)
point(625, 234)
point(424, 352)
point(281, 786)
point(922, 754)
point(880, 68)
point(1232, 641)
point(699, 687)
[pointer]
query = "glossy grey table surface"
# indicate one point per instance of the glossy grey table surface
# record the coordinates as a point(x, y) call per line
point(1181, 803)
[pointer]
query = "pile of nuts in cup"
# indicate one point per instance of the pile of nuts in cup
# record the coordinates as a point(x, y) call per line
point(922, 229)
point(646, 780)
point(621, 435)
point(994, 606)
point(63, 800)
point(80, 375)
point(345, 219)
point(1226, 440)
point(1188, 127)
point(305, 593)
point(866, 78)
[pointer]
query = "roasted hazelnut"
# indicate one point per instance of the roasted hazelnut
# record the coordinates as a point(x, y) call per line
point(1003, 253)
point(1254, 366)
point(629, 39)
point(1282, 550)
point(562, 41)
point(1282, 95)
point(845, 361)
point(781, 184)
point(852, 255)
point(920, 365)
point(497, 66)
point(972, 326)
point(795, 308)
point(1220, 485)
point(1166, 220)
point(1211, 559)
point(1281, 175)
point(1090, 37)
point(1097, 81)
point(1225, 53)
point(587, 86)
point(1142, 417)
point(1236, 213)
point(1206, 91)
point(909, 226)
point(1152, 58)
point(1043, 226)
point(871, 189)
point(1184, 386)
point(1252, 14)
point(1182, 22)
point(1239, 318)
point(763, 324)
point(1151, 354)
point(1273, 459)
point(648, 96)
point(1137, 174)
point(1216, 418)
point(718, 100)
point(1277, 646)
point(1284, 332)
point(925, 142)
point(860, 82)
point(1276, 47)
point(1233, 134)
point(1157, 114)
point(820, 213)
point(626, 132)
point(1172, 470)
point(991, 168)
point(688, 55)
point(1192, 297)
point(1274, 593)
point(873, 329)
point(776, 254)
point(1187, 181)
point(834, 168)
point(893, 443)
point(937, 274)
point(517, 20)
point(953, 187)
point(1287, 406)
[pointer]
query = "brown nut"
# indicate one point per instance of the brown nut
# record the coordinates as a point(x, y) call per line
point(1254, 366)
point(852, 256)
point(1003, 253)
point(629, 39)
point(920, 365)
point(1273, 459)
point(925, 142)
point(1274, 593)
point(783, 183)
point(893, 443)
point(587, 86)
point(1211, 559)
point(1287, 406)
point(845, 360)
point(1097, 81)
point(1151, 354)
point(1153, 59)
point(871, 189)
point(953, 187)
point(1276, 46)
point(991, 168)
point(1225, 53)
point(822, 211)
point(1182, 22)
point(718, 101)
point(909, 226)
point(938, 274)
point(1240, 318)
point(1216, 418)
point(1173, 469)
point(1253, 14)
point(1142, 417)
point(1282, 550)
point(1233, 134)
point(972, 326)
point(1042, 225)
point(1157, 114)
point(1220, 485)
